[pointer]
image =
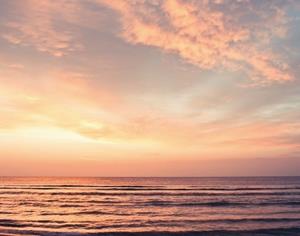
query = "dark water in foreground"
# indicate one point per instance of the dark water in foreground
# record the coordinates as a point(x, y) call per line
point(150, 206)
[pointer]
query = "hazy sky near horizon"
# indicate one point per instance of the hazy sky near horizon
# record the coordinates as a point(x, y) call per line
point(149, 87)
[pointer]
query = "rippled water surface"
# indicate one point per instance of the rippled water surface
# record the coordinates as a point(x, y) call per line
point(212, 206)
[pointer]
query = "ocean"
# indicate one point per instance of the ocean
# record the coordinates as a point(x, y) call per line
point(150, 206)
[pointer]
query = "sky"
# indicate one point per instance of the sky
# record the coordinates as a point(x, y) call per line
point(149, 87)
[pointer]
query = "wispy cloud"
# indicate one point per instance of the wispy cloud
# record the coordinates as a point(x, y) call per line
point(39, 25)
point(211, 34)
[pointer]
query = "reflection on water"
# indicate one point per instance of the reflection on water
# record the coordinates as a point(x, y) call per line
point(75, 206)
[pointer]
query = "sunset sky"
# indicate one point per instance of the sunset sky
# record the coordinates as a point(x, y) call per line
point(149, 87)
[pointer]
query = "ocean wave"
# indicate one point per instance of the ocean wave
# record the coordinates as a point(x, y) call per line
point(158, 203)
point(221, 203)
point(170, 203)
point(146, 187)
point(147, 193)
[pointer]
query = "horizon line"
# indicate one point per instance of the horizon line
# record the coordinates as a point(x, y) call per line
point(233, 176)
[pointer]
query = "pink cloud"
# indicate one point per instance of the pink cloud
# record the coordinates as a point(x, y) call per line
point(208, 37)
